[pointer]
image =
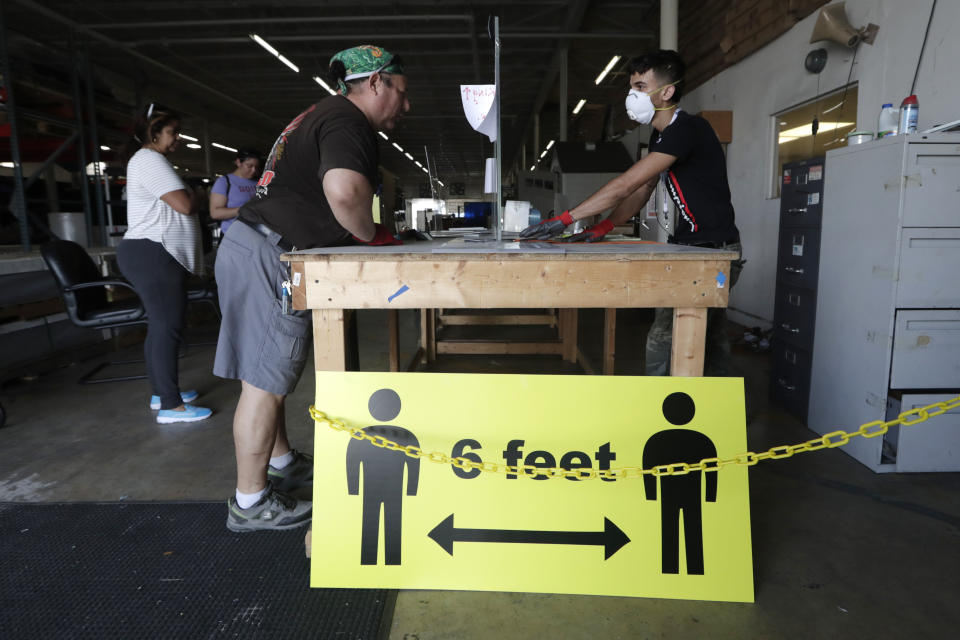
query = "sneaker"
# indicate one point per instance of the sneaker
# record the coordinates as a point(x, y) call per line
point(296, 475)
point(185, 396)
point(274, 511)
point(190, 414)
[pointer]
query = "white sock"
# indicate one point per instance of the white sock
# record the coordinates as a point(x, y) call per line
point(281, 461)
point(247, 500)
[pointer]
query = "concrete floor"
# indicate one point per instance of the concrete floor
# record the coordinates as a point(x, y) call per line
point(839, 552)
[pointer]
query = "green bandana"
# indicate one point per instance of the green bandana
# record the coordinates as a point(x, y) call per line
point(364, 61)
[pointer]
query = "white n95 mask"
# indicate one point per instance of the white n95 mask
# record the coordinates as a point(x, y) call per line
point(639, 107)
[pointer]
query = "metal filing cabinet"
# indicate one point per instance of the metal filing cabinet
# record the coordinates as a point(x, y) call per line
point(801, 205)
point(888, 308)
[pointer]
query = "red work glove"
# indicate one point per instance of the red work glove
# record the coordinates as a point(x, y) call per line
point(381, 237)
point(548, 228)
point(592, 233)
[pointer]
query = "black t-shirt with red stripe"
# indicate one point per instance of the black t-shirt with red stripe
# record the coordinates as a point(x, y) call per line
point(332, 134)
point(697, 181)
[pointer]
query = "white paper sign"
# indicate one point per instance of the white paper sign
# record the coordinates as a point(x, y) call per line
point(480, 107)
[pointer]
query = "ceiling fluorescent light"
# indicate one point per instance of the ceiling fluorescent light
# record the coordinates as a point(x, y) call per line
point(408, 155)
point(104, 147)
point(545, 152)
point(579, 106)
point(383, 135)
point(263, 43)
point(549, 144)
point(285, 61)
point(532, 167)
point(399, 148)
point(223, 146)
point(804, 131)
point(424, 169)
point(418, 164)
point(603, 74)
point(439, 182)
point(193, 145)
point(186, 137)
point(323, 84)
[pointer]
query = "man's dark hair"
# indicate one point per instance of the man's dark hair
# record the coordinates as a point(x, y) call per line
point(667, 65)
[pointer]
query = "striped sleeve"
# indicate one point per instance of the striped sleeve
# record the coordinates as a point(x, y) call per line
point(158, 177)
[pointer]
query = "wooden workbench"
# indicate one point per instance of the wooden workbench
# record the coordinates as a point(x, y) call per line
point(454, 275)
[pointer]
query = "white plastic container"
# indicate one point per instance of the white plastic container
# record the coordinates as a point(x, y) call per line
point(888, 122)
point(859, 137)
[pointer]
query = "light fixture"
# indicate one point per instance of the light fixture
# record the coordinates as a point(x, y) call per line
point(323, 84)
point(266, 45)
point(532, 167)
point(579, 106)
point(205, 180)
point(186, 137)
point(440, 182)
point(399, 148)
point(804, 131)
point(424, 169)
point(7, 165)
point(549, 144)
point(193, 145)
point(222, 146)
point(383, 135)
point(603, 74)
point(408, 155)
point(104, 147)
point(545, 152)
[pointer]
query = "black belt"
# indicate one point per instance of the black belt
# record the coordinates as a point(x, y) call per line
point(266, 232)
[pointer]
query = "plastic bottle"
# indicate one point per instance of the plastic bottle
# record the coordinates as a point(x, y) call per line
point(887, 123)
point(909, 114)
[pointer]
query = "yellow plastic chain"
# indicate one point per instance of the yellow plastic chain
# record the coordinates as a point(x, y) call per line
point(827, 441)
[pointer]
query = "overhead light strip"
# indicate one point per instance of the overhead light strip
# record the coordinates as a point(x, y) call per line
point(603, 74)
point(266, 45)
point(579, 106)
point(222, 146)
point(323, 84)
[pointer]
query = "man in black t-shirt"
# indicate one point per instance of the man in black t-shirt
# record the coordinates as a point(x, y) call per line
point(316, 191)
point(685, 154)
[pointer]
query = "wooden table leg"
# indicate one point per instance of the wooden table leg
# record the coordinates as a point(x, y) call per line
point(428, 334)
point(609, 339)
point(569, 324)
point(689, 342)
point(329, 354)
point(393, 328)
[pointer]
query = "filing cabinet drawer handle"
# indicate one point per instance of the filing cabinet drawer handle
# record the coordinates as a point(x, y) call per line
point(787, 327)
point(797, 210)
point(788, 387)
point(798, 270)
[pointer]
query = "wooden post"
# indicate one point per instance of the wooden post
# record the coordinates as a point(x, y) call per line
point(570, 335)
point(689, 341)
point(393, 328)
point(609, 340)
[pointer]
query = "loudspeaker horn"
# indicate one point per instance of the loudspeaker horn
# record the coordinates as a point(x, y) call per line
point(832, 25)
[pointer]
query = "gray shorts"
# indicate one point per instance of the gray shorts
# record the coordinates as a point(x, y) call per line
point(258, 343)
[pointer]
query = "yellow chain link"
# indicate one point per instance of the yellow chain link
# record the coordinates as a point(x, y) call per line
point(747, 459)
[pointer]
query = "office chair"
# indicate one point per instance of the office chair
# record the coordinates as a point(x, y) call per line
point(84, 293)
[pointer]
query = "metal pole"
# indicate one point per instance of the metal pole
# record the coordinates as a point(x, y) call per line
point(81, 148)
point(19, 201)
point(207, 165)
point(499, 143)
point(563, 94)
point(95, 146)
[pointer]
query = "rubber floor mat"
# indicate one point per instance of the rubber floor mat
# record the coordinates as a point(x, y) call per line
point(166, 570)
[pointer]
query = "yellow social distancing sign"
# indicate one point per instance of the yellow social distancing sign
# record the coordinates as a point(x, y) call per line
point(383, 519)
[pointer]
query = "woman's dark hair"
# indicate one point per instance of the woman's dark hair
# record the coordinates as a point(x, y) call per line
point(149, 123)
point(667, 65)
point(248, 152)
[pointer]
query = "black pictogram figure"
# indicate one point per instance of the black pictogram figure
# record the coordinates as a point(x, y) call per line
point(382, 479)
point(680, 493)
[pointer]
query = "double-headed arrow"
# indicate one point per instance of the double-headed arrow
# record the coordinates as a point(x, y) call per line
point(611, 538)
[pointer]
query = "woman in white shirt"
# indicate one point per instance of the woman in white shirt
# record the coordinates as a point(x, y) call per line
point(160, 248)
